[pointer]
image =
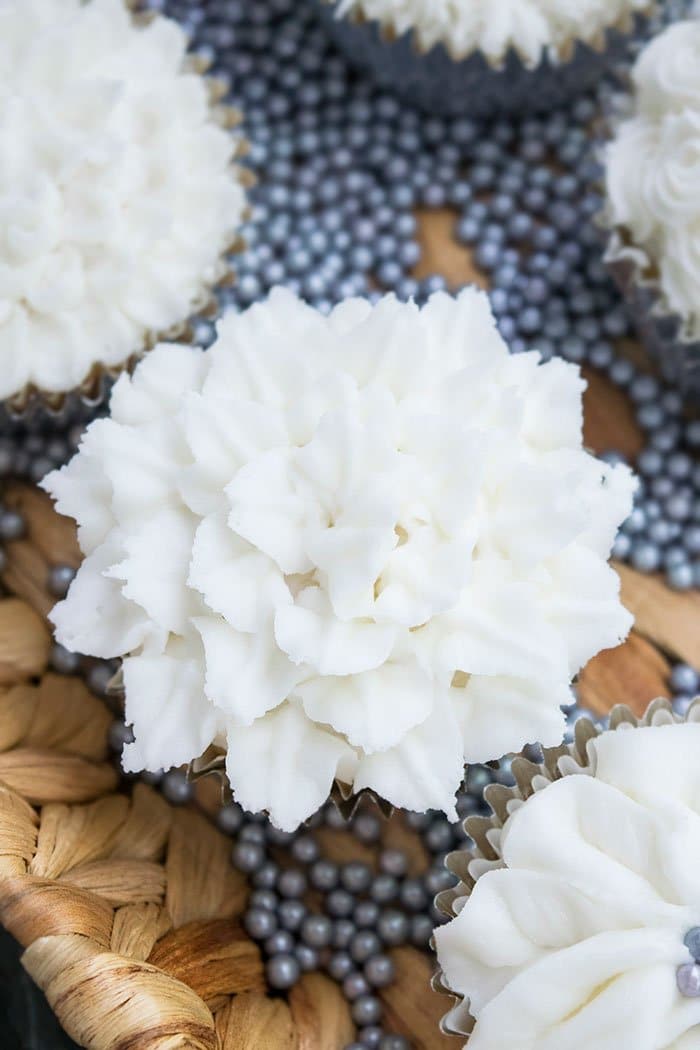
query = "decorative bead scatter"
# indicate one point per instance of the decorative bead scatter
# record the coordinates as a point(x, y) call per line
point(367, 547)
point(571, 921)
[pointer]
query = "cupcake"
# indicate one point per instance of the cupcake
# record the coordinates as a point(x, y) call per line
point(652, 211)
point(577, 920)
point(365, 547)
point(119, 195)
point(478, 58)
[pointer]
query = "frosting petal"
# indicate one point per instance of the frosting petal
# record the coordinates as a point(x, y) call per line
point(303, 760)
point(167, 707)
point(373, 709)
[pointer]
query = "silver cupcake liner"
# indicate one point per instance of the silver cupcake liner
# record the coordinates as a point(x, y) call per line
point(440, 84)
point(469, 864)
point(672, 348)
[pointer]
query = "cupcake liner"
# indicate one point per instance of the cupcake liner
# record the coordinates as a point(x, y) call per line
point(671, 346)
point(33, 405)
point(469, 864)
point(472, 85)
point(213, 763)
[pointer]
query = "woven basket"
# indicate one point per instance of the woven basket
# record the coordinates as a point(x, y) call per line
point(128, 909)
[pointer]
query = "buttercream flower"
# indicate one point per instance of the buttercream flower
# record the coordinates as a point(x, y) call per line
point(578, 925)
point(367, 546)
point(653, 173)
point(118, 196)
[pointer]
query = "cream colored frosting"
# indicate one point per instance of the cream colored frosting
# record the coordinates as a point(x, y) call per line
point(533, 28)
point(117, 190)
point(367, 546)
point(653, 170)
point(574, 939)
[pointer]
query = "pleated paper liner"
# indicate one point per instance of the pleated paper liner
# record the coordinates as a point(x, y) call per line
point(83, 403)
point(471, 84)
point(673, 347)
point(469, 864)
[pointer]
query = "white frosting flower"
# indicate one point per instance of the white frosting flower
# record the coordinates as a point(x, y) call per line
point(653, 170)
point(367, 546)
point(574, 937)
point(117, 193)
point(533, 28)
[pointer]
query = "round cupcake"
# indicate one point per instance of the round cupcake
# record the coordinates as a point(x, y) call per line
point(652, 209)
point(366, 547)
point(478, 58)
point(577, 920)
point(119, 196)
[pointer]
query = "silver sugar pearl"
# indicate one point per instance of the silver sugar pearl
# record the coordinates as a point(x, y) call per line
point(60, 579)
point(282, 971)
point(688, 980)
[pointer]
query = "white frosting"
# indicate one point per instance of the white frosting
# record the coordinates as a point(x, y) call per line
point(653, 169)
point(575, 941)
point(323, 520)
point(533, 28)
point(117, 191)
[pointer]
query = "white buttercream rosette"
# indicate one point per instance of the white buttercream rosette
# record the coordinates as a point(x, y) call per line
point(653, 175)
point(118, 196)
point(570, 924)
point(368, 546)
point(535, 29)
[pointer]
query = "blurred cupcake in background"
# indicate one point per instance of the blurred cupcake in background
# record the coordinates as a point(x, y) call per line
point(120, 197)
point(479, 58)
point(576, 920)
point(652, 211)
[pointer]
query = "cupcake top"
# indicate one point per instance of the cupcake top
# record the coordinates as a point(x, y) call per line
point(653, 172)
point(584, 930)
point(118, 196)
point(368, 546)
point(532, 28)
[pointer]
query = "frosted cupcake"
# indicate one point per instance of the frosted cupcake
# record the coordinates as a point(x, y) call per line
point(484, 56)
point(653, 202)
point(578, 918)
point(119, 196)
point(363, 548)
